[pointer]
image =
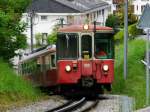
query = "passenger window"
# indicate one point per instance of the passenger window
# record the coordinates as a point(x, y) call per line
point(53, 60)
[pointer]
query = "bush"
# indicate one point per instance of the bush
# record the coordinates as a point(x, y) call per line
point(119, 36)
point(133, 31)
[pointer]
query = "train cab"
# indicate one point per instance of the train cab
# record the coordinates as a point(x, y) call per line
point(85, 56)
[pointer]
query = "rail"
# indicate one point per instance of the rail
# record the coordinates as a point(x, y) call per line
point(69, 106)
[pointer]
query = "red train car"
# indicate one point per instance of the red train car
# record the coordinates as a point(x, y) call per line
point(84, 59)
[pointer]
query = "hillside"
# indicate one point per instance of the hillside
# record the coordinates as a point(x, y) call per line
point(13, 89)
point(134, 86)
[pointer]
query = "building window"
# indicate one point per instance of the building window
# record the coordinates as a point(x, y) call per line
point(43, 18)
point(102, 11)
point(142, 8)
point(44, 38)
point(137, 7)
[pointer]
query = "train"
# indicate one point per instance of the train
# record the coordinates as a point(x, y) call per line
point(83, 59)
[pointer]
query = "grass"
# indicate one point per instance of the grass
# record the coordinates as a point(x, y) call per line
point(13, 89)
point(134, 86)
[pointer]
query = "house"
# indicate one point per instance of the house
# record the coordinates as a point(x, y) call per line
point(113, 4)
point(47, 13)
point(139, 6)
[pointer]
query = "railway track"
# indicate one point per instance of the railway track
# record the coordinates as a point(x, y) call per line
point(73, 106)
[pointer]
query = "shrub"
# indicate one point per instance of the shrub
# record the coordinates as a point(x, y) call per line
point(133, 31)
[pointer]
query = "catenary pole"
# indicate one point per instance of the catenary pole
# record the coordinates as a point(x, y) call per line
point(125, 37)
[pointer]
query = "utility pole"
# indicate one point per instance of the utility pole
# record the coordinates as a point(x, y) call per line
point(125, 38)
point(31, 15)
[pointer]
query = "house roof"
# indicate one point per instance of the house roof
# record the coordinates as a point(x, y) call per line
point(83, 5)
point(50, 6)
point(65, 6)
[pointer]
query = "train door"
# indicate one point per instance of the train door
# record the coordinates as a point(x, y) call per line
point(86, 54)
point(86, 46)
point(51, 73)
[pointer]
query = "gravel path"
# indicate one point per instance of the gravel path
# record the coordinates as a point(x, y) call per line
point(107, 103)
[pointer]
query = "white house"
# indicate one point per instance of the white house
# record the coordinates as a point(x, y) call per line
point(112, 3)
point(47, 13)
point(139, 6)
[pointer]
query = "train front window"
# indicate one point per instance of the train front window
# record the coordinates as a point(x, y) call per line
point(86, 46)
point(67, 46)
point(104, 46)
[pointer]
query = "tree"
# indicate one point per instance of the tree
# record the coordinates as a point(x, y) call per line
point(38, 38)
point(11, 37)
point(112, 21)
point(131, 17)
point(53, 36)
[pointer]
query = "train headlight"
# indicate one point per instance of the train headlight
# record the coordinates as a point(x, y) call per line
point(68, 68)
point(105, 68)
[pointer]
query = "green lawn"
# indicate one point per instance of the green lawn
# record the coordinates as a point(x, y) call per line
point(13, 89)
point(134, 86)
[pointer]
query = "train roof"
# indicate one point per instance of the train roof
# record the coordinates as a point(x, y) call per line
point(39, 53)
point(79, 28)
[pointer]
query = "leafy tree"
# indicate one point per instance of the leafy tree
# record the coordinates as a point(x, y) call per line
point(11, 37)
point(53, 36)
point(38, 38)
point(112, 21)
point(131, 17)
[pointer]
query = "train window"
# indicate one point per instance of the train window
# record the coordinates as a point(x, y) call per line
point(104, 46)
point(53, 60)
point(29, 67)
point(86, 46)
point(47, 62)
point(67, 46)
